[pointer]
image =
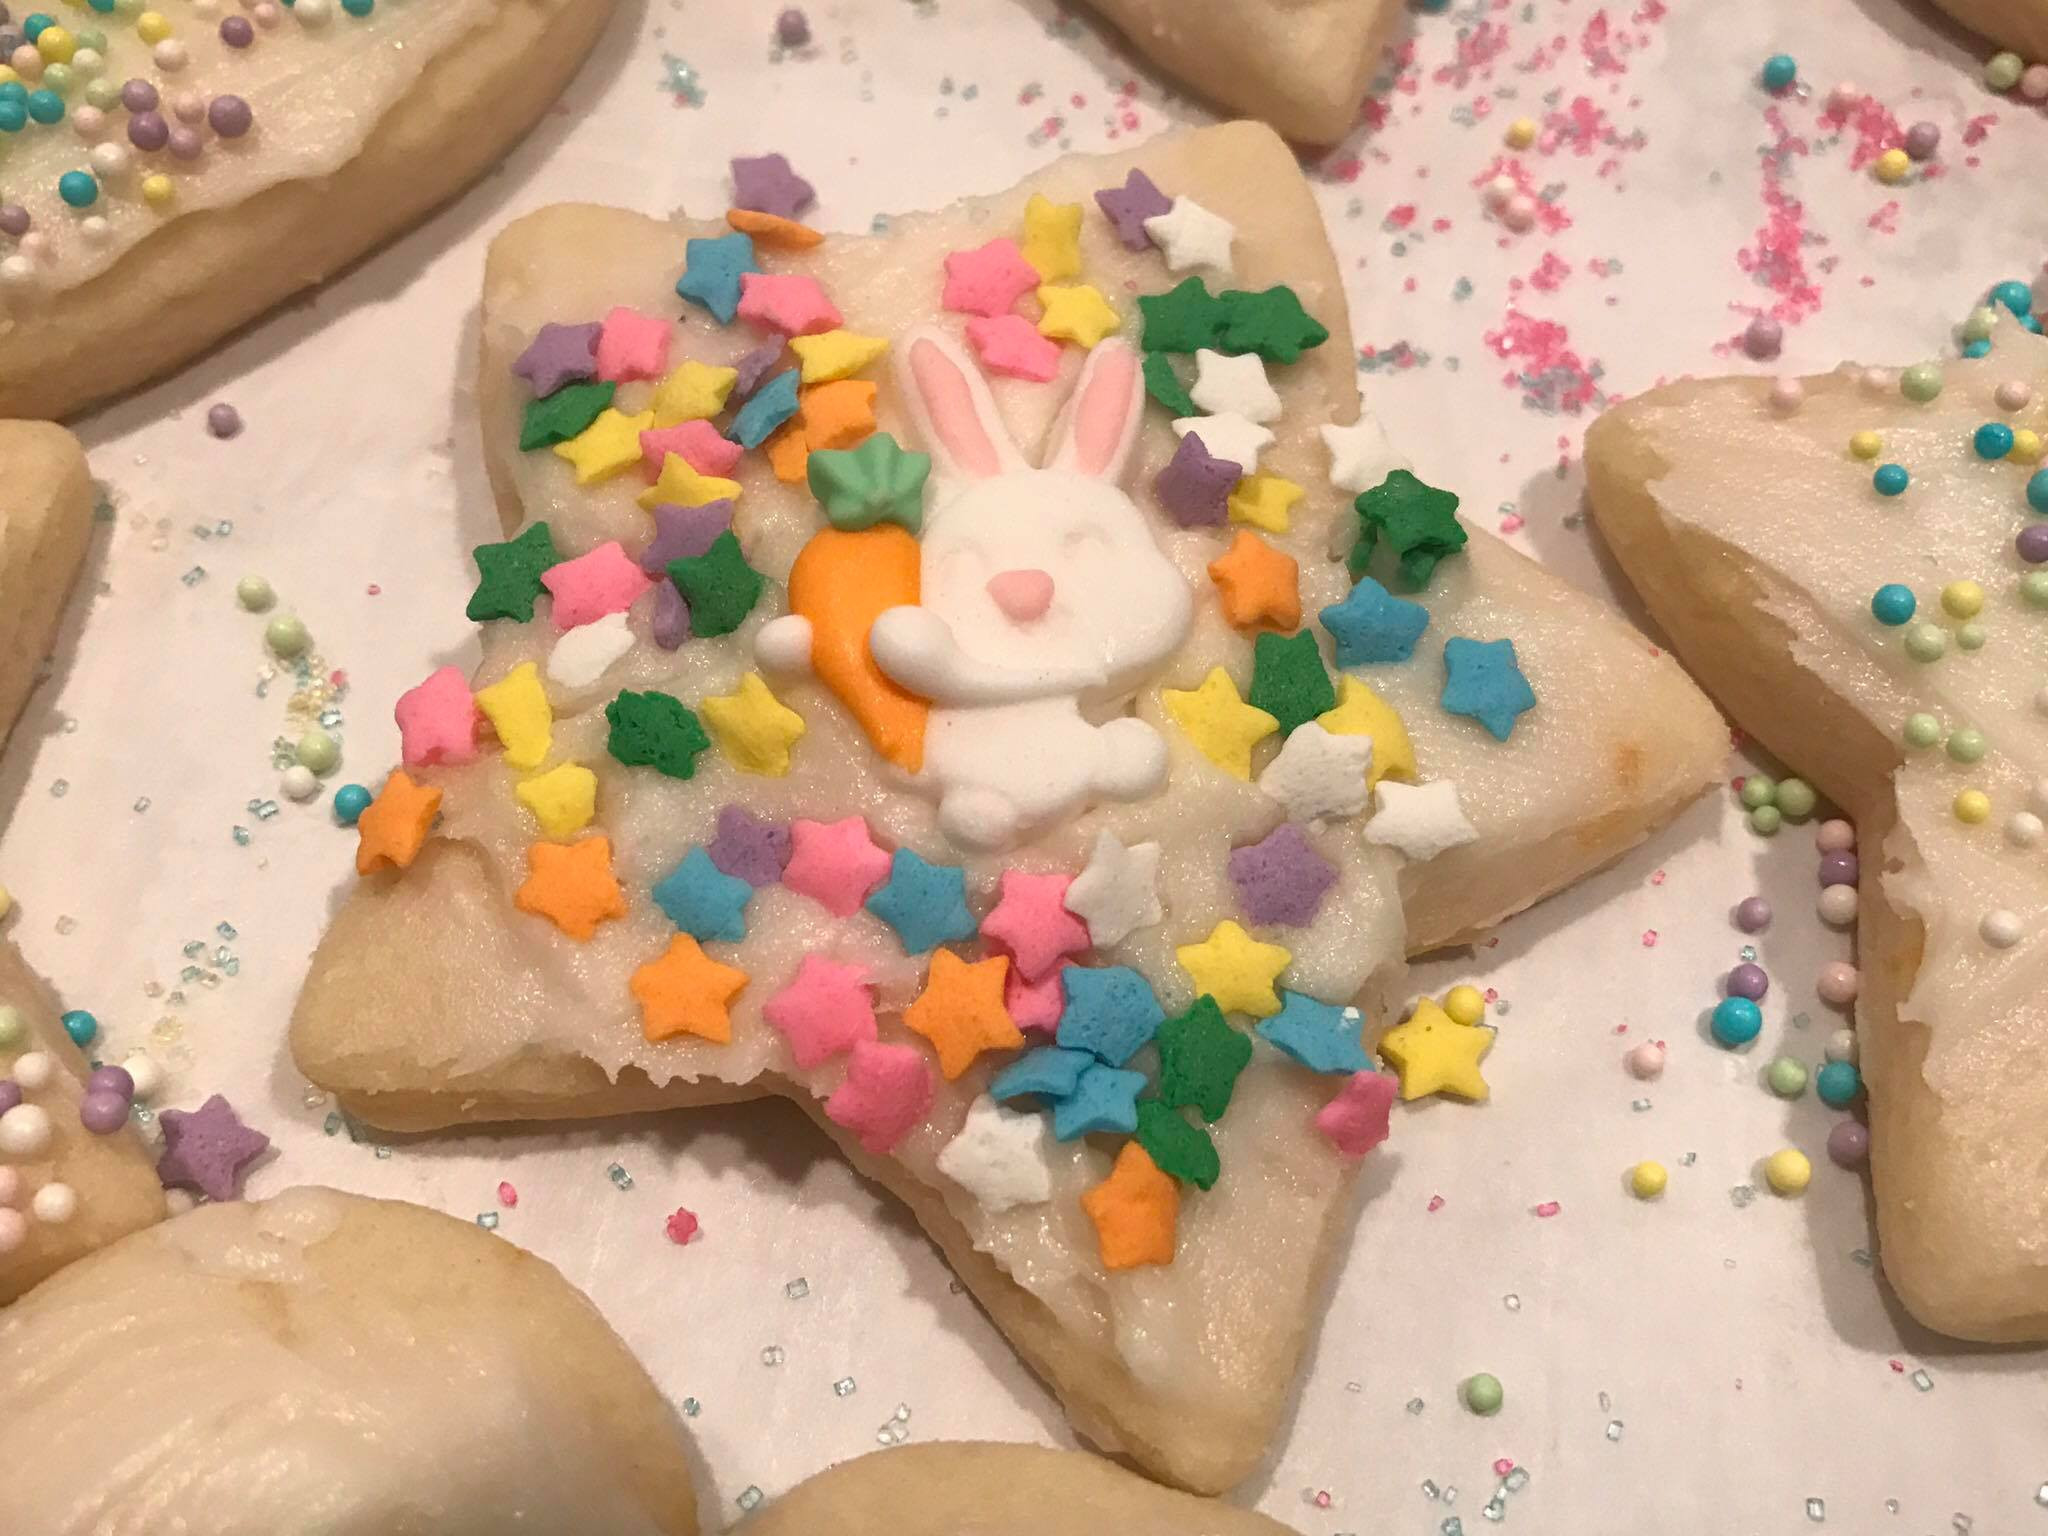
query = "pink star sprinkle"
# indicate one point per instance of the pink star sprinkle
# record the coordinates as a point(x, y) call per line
point(834, 863)
point(437, 720)
point(1034, 1005)
point(632, 346)
point(1355, 1121)
point(988, 280)
point(825, 1010)
point(1010, 344)
point(682, 1226)
point(607, 580)
point(697, 443)
point(1031, 923)
point(786, 303)
point(888, 1090)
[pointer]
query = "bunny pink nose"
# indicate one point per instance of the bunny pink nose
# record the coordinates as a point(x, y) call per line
point(1023, 595)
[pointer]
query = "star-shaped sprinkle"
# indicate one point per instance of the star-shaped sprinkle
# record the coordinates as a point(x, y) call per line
point(394, 826)
point(1031, 923)
point(886, 1095)
point(508, 575)
point(1360, 455)
point(1373, 627)
point(1231, 438)
point(749, 847)
point(1111, 1012)
point(786, 304)
point(563, 415)
point(719, 585)
point(925, 903)
point(1483, 680)
point(654, 730)
point(207, 1149)
point(1319, 1035)
point(1035, 1005)
point(585, 589)
point(1047, 1071)
point(999, 1158)
point(681, 533)
point(1288, 680)
point(1235, 969)
point(679, 485)
point(694, 392)
point(1256, 583)
point(1317, 776)
point(988, 280)
point(757, 364)
point(1165, 386)
point(609, 446)
point(961, 1011)
point(686, 992)
point(835, 863)
point(1189, 235)
point(1052, 238)
point(766, 184)
point(836, 354)
point(713, 271)
point(1195, 485)
point(583, 655)
point(1134, 1210)
point(1184, 319)
point(1076, 312)
point(838, 415)
point(696, 443)
point(1420, 524)
point(1356, 1120)
point(1200, 1057)
point(1361, 712)
point(1233, 386)
point(562, 800)
point(437, 720)
point(703, 900)
point(826, 1010)
point(632, 346)
point(1104, 1100)
point(1178, 1149)
point(1217, 720)
point(1281, 880)
point(1011, 346)
point(517, 707)
point(1128, 207)
point(669, 625)
point(1271, 323)
point(1265, 502)
point(1117, 891)
point(571, 885)
point(1436, 1054)
point(753, 728)
point(766, 409)
point(1421, 820)
point(558, 355)
point(775, 233)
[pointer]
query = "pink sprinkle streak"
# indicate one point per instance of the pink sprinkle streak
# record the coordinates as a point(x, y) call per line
point(1436, 1203)
point(682, 1226)
point(1503, 1466)
point(1649, 938)
point(507, 1196)
point(1551, 376)
point(1548, 1209)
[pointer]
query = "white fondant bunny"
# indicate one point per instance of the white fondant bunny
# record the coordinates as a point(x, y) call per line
point(1044, 602)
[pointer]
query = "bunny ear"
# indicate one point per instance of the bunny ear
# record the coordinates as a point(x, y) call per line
point(1100, 424)
point(954, 411)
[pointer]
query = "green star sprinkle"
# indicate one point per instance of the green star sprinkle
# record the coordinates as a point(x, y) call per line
point(875, 483)
point(719, 585)
point(1200, 1056)
point(1164, 385)
point(653, 730)
point(1181, 1150)
point(564, 414)
point(1182, 320)
point(508, 575)
point(1288, 680)
point(1272, 324)
point(1420, 523)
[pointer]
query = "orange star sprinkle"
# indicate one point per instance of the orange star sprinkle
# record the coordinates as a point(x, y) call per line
point(839, 414)
point(1257, 583)
point(1134, 1211)
point(395, 824)
point(571, 885)
point(962, 1012)
point(685, 992)
point(788, 454)
point(776, 234)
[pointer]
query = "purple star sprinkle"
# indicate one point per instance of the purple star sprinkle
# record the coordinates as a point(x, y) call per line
point(1129, 206)
point(560, 354)
point(1281, 880)
point(766, 184)
point(748, 848)
point(670, 624)
point(208, 1149)
point(753, 368)
point(683, 533)
point(1195, 486)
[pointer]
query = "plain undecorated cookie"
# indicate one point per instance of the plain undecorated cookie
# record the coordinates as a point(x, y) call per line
point(45, 526)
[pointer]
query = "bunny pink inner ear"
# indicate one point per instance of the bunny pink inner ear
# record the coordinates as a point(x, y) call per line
point(1103, 411)
point(949, 401)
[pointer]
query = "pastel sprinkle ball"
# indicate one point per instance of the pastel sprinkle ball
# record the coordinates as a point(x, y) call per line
point(1483, 1394)
point(1647, 1180)
point(1788, 1171)
point(80, 1026)
point(1892, 166)
point(1920, 383)
point(1646, 1061)
point(1849, 1144)
point(350, 801)
point(1736, 1021)
point(1465, 1005)
point(2002, 71)
point(1993, 440)
point(1779, 72)
point(1752, 914)
point(1890, 479)
point(1865, 445)
point(1838, 1083)
point(1786, 1077)
point(1892, 604)
point(2037, 490)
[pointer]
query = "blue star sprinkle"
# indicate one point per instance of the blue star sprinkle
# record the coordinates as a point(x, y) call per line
point(1372, 626)
point(771, 405)
point(1048, 1071)
point(1103, 1100)
point(1110, 1012)
point(925, 903)
point(1483, 681)
point(1321, 1036)
point(703, 900)
point(711, 273)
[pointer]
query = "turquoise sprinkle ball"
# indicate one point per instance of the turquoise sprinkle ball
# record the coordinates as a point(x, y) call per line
point(1890, 479)
point(78, 189)
point(13, 115)
point(35, 25)
point(1976, 348)
point(1993, 440)
point(14, 90)
point(1838, 1083)
point(80, 1026)
point(46, 107)
point(2015, 296)
point(358, 7)
point(1892, 604)
point(1779, 71)
point(350, 801)
point(2037, 490)
point(1736, 1021)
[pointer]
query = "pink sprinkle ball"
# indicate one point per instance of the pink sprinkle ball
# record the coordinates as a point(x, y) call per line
point(1752, 914)
point(1834, 836)
point(1845, 98)
point(266, 14)
point(88, 122)
point(2034, 82)
point(13, 1230)
point(170, 56)
point(185, 144)
point(1646, 1061)
point(1787, 396)
point(1838, 983)
point(1849, 1144)
point(1498, 191)
point(1519, 212)
point(27, 62)
point(189, 107)
point(1763, 337)
point(2014, 395)
point(1879, 381)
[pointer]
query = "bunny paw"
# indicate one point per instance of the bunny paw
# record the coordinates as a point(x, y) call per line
point(1132, 760)
point(979, 819)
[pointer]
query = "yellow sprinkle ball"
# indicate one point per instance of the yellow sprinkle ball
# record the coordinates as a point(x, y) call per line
point(56, 45)
point(8, 76)
point(1865, 445)
point(1788, 1170)
point(1465, 1005)
point(1892, 166)
point(152, 27)
point(1521, 133)
point(6, 901)
point(1963, 599)
point(157, 189)
point(1646, 1181)
point(2026, 447)
point(1973, 806)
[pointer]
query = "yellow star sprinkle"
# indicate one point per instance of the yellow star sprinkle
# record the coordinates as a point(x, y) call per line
point(1078, 314)
point(835, 354)
point(694, 392)
point(1434, 1053)
point(752, 727)
point(1236, 969)
point(1264, 501)
point(1219, 722)
point(517, 707)
point(680, 485)
point(1361, 712)
point(1052, 237)
point(610, 445)
point(562, 800)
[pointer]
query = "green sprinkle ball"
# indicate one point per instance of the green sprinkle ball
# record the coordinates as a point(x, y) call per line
point(1787, 1077)
point(2034, 589)
point(1758, 790)
point(1920, 383)
point(255, 594)
point(1483, 1394)
point(1796, 799)
point(1928, 642)
point(287, 635)
point(13, 1027)
point(1966, 745)
point(1765, 820)
point(1970, 637)
point(2002, 71)
point(318, 751)
point(1978, 326)
point(1922, 730)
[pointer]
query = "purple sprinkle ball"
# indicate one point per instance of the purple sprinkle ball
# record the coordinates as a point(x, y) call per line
point(792, 28)
point(139, 96)
point(1752, 914)
point(236, 32)
point(111, 1080)
point(229, 116)
point(14, 223)
point(1849, 1143)
point(185, 144)
point(223, 420)
point(148, 131)
point(2032, 542)
point(10, 1094)
point(103, 1113)
point(1748, 981)
point(1763, 338)
point(1838, 869)
point(1922, 139)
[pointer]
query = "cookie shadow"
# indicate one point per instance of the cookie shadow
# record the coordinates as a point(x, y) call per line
point(40, 719)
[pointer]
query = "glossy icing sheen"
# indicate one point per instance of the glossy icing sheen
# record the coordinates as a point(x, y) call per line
point(316, 90)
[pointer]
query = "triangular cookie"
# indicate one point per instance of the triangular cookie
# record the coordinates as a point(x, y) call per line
point(1760, 539)
point(440, 996)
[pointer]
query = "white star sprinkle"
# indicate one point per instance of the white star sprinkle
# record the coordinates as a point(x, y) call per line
point(1118, 893)
point(1360, 455)
point(1233, 386)
point(581, 656)
point(1189, 236)
point(1227, 437)
point(1318, 775)
point(1421, 820)
point(999, 1157)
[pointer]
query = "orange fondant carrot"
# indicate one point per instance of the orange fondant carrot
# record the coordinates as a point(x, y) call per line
point(841, 582)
